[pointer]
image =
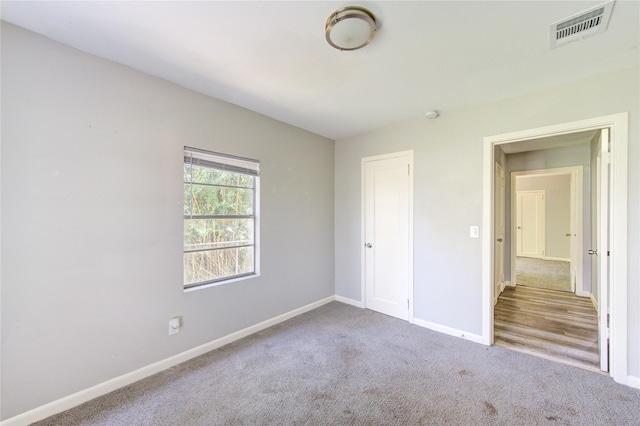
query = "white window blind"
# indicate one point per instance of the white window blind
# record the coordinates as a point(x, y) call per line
point(221, 161)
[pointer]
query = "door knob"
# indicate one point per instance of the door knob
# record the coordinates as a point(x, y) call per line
point(499, 240)
point(519, 227)
point(592, 252)
point(567, 234)
point(368, 245)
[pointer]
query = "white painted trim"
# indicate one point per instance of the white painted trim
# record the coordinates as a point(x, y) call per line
point(618, 246)
point(594, 302)
point(583, 293)
point(103, 388)
point(223, 282)
point(363, 219)
point(448, 330)
point(558, 259)
point(352, 302)
point(410, 260)
point(364, 160)
point(502, 286)
point(633, 381)
point(619, 125)
point(488, 204)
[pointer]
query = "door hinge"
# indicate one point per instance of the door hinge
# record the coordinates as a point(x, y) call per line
point(407, 303)
point(408, 169)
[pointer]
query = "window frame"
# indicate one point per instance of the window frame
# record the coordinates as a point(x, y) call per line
point(231, 164)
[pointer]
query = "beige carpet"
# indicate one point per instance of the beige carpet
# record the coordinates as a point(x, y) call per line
point(540, 273)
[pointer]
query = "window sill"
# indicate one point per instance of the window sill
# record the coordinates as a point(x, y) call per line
point(219, 283)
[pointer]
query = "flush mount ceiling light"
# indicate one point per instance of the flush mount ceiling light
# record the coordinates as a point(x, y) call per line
point(350, 28)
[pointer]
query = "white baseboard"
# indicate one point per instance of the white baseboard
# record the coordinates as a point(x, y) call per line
point(559, 259)
point(448, 330)
point(633, 381)
point(103, 388)
point(593, 301)
point(501, 288)
point(353, 302)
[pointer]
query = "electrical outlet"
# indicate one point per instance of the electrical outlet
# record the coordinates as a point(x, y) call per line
point(174, 325)
point(474, 232)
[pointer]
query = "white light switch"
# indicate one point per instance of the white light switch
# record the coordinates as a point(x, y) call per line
point(474, 232)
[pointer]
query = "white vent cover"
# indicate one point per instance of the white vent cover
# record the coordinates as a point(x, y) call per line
point(581, 25)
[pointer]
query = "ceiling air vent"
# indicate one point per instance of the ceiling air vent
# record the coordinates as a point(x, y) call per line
point(581, 25)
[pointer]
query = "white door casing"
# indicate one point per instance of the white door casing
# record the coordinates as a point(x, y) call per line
point(601, 250)
point(387, 234)
point(575, 211)
point(500, 231)
point(618, 124)
point(530, 223)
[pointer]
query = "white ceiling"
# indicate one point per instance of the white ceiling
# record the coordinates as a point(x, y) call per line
point(271, 56)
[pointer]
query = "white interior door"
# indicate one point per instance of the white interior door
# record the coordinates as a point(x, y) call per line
point(573, 232)
point(499, 230)
point(601, 249)
point(530, 223)
point(387, 235)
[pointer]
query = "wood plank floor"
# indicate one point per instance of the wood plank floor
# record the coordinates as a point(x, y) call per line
point(548, 323)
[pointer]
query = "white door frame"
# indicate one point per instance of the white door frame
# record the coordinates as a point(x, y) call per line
point(500, 282)
point(619, 128)
point(577, 221)
point(602, 233)
point(409, 154)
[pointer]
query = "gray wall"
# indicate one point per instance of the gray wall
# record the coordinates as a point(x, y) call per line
point(557, 211)
point(92, 219)
point(92, 224)
point(448, 194)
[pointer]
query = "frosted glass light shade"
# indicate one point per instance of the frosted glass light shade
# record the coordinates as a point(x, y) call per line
point(350, 28)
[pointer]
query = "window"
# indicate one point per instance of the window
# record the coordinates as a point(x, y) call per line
point(220, 217)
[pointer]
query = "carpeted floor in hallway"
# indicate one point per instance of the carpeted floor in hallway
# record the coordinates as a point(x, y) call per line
point(542, 273)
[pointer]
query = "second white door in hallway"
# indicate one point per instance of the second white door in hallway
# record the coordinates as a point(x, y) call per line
point(530, 226)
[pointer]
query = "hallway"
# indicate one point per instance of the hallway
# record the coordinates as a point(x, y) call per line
point(551, 324)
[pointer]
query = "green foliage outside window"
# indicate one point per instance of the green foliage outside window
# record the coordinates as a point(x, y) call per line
point(219, 224)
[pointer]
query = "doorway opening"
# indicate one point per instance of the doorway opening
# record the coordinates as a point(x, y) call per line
point(541, 311)
point(548, 226)
point(615, 207)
